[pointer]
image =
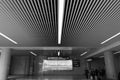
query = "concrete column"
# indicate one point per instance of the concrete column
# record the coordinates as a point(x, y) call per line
point(110, 66)
point(4, 63)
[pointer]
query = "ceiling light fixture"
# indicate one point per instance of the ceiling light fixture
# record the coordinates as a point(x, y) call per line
point(101, 56)
point(58, 53)
point(110, 38)
point(60, 20)
point(116, 52)
point(83, 53)
point(8, 38)
point(33, 53)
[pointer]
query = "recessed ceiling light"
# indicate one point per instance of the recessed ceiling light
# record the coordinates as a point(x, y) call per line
point(60, 19)
point(83, 53)
point(8, 38)
point(33, 53)
point(58, 53)
point(110, 38)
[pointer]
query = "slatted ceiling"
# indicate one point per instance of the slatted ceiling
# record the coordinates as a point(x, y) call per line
point(82, 20)
point(81, 16)
point(37, 17)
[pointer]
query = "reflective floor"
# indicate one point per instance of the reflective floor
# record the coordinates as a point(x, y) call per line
point(50, 78)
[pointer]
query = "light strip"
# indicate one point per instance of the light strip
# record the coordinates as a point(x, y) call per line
point(8, 38)
point(101, 56)
point(83, 53)
point(60, 19)
point(33, 53)
point(110, 38)
point(116, 52)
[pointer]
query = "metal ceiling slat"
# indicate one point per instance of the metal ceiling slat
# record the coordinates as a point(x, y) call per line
point(80, 20)
point(85, 15)
point(101, 10)
point(88, 27)
point(34, 15)
point(65, 15)
point(27, 9)
point(74, 15)
point(72, 11)
point(77, 13)
point(44, 14)
point(51, 6)
point(23, 10)
point(39, 24)
point(55, 11)
point(28, 16)
point(83, 5)
point(68, 16)
point(9, 10)
point(93, 11)
point(100, 18)
point(97, 7)
point(21, 13)
point(40, 19)
point(47, 9)
point(68, 13)
point(41, 15)
point(111, 10)
point(80, 11)
point(6, 11)
point(93, 6)
point(35, 12)
point(49, 12)
point(51, 20)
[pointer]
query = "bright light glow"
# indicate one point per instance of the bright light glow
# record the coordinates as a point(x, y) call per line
point(8, 38)
point(110, 38)
point(60, 19)
point(33, 53)
point(58, 53)
point(89, 59)
point(57, 65)
point(83, 53)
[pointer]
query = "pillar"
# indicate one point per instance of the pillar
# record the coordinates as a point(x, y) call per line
point(4, 63)
point(110, 66)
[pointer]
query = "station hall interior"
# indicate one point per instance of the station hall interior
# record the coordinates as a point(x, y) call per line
point(59, 39)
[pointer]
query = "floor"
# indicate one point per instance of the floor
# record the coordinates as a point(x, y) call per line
point(49, 78)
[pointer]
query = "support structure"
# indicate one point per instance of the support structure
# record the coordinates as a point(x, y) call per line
point(4, 63)
point(110, 66)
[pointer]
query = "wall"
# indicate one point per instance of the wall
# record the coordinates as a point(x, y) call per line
point(24, 65)
point(98, 63)
point(19, 65)
point(117, 62)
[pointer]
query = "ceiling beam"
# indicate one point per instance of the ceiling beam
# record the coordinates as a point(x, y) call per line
point(39, 48)
point(103, 49)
